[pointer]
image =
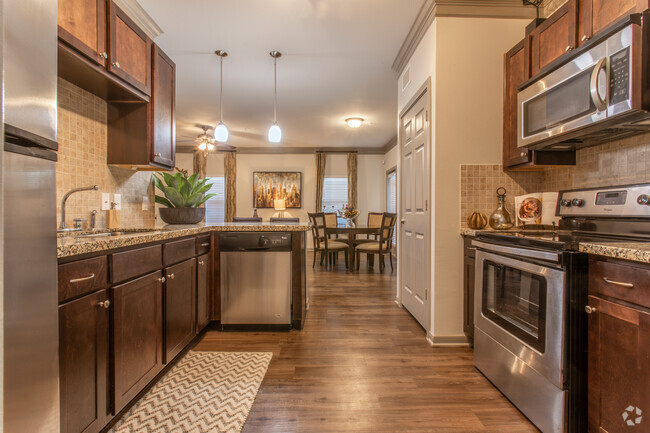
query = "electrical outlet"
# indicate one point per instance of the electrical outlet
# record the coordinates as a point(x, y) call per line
point(145, 203)
point(117, 199)
point(106, 201)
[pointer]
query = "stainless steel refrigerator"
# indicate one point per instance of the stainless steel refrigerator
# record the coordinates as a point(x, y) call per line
point(31, 367)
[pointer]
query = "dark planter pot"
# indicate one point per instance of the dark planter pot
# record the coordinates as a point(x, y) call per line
point(182, 215)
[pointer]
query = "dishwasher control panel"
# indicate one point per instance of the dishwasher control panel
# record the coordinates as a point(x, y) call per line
point(257, 241)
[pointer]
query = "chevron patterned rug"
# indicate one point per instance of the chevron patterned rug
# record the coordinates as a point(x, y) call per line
point(205, 392)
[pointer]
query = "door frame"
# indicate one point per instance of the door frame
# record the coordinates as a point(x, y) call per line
point(393, 169)
point(423, 91)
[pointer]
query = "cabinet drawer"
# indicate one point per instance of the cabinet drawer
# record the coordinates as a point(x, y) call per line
point(621, 281)
point(202, 245)
point(130, 264)
point(177, 251)
point(85, 276)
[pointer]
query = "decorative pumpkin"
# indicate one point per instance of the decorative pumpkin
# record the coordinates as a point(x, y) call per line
point(476, 221)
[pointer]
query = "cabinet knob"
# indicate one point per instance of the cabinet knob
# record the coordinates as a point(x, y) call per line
point(522, 154)
point(589, 309)
point(584, 38)
point(103, 55)
point(104, 304)
point(201, 263)
point(116, 64)
point(161, 279)
point(170, 276)
point(568, 48)
point(158, 154)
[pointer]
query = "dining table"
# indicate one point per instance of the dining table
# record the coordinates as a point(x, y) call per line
point(352, 232)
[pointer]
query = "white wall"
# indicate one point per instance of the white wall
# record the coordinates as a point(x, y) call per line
point(464, 58)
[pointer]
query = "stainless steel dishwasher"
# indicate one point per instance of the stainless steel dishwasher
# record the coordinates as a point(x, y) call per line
point(255, 278)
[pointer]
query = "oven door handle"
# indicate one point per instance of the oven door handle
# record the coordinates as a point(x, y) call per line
point(520, 252)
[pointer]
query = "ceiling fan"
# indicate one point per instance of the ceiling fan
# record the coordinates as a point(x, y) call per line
point(206, 141)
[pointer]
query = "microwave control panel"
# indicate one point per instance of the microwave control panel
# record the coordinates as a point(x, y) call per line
point(622, 201)
point(619, 76)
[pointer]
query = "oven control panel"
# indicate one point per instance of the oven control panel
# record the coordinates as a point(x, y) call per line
point(618, 201)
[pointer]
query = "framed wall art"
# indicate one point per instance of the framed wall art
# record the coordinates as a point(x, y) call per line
point(273, 185)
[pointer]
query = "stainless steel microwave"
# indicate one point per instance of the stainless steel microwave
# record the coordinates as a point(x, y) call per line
point(600, 94)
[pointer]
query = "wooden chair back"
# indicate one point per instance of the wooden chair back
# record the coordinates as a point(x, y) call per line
point(388, 221)
point(284, 220)
point(330, 219)
point(246, 220)
point(318, 225)
point(374, 219)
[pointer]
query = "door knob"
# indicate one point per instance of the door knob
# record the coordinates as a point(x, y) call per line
point(403, 221)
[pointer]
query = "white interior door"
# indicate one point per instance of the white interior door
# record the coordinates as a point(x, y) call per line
point(415, 233)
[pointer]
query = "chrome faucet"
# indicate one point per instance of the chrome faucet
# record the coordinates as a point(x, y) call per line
point(65, 197)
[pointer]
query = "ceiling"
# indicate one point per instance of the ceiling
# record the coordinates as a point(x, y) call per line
point(336, 63)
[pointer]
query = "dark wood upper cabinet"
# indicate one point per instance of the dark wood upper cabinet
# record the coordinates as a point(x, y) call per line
point(202, 291)
point(514, 73)
point(137, 329)
point(595, 15)
point(82, 25)
point(180, 307)
point(83, 363)
point(162, 109)
point(553, 38)
point(130, 51)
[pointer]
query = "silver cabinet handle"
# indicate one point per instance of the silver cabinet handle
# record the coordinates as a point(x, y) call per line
point(618, 283)
point(584, 38)
point(78, 280)
point(103, 55)
point(568, 48)
point(522, 154)
point(161, 279)
point(104, 304)
point(201, 263)
point(590, 310)
point(170, 276)
point(205, 244)
point(116, 65)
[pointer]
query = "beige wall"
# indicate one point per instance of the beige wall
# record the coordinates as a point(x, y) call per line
point(82, 162)
point(464, 58)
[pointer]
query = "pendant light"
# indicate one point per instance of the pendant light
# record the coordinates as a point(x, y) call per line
point(275, 133)
point(221, 131)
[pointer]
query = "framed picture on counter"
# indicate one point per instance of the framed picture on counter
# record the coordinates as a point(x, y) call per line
point(273, 185)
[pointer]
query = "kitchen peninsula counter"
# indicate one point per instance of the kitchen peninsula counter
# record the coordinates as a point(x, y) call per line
point(75, 244)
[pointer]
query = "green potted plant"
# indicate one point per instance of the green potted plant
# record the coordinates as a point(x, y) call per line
point(182, 197)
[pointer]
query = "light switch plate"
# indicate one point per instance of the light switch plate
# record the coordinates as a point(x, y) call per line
point(106, 201)
point(117, 199)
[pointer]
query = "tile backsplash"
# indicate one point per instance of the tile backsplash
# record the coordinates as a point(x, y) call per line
point(82, 141)
point(620, 162)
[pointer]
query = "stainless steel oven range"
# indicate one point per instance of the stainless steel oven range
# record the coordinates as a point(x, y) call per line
point(531, 292)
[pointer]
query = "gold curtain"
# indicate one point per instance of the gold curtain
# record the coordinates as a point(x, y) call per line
point(352, 180)
point(321, 159)
point(200, 162)
point(230, 169)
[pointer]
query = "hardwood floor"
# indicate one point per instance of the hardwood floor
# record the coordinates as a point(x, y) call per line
point(362, 364)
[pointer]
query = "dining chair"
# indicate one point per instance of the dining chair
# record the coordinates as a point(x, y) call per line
point(246, 219)
point(331, 220)
point(327, 247)
point(284, 220)
point(383, 245)
point(374, 221)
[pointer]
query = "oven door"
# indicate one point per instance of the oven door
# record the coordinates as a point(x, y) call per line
point(519, 303)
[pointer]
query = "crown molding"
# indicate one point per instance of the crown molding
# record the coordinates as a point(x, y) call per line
point(390, 144)
point(140, 16)
point(432, 9)
point(293, 150)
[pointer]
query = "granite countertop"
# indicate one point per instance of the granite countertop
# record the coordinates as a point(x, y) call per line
point(634, 251)
point(77, 243)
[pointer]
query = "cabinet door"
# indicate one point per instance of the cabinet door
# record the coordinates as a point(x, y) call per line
point(468, 292)
point(180, 307)
point(514, 73)
point(130, 51)
point(601, 13)
point(137, 336)
point(619, 356)
point(83, 363)
point(162, 104)
point(553, 37)
point(82, 25)
point(202, 282)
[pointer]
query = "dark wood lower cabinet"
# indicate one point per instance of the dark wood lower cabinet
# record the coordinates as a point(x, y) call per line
point(202, 286)
point(137, 353)
point(468, 297)
point(180, 307)
point(83, 363)
point(619, 356)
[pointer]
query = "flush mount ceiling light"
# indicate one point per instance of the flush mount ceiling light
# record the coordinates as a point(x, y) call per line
point(221, 131)
point(275, 133)
point(354, 122)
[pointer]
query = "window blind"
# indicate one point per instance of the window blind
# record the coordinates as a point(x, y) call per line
point(215, 208)
point(335, 193)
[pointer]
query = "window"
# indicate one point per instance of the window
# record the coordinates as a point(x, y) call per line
point(391, 197)
point(215, 208)
point(335, 193)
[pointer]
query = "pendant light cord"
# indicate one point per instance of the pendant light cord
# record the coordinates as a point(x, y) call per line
point(221, 88)
point(275, 89)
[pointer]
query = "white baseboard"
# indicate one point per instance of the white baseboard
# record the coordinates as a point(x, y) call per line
point(447, 340)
